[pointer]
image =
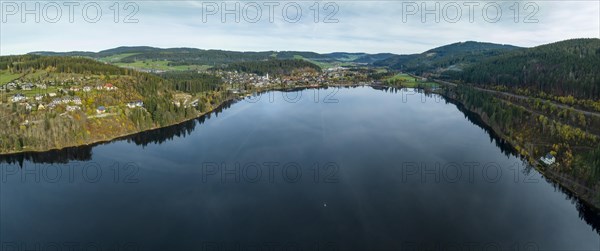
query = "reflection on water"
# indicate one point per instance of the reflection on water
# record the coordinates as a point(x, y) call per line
point(83, 153)
point(357, 214)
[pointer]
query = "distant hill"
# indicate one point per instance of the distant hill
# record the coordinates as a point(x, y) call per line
point(193, 56)
point(372, 58)
point(449, 57)
point(67, 54)
point(563, 68)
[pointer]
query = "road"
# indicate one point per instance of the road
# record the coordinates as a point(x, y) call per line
point(102, 115)
point(512, 95)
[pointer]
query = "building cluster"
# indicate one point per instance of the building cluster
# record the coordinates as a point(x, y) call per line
point(67, 93)
point(25, 86)
point(335, 75)
point(44, 96)
point(246, 78)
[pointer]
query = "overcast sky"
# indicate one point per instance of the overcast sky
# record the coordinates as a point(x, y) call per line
point(351, 26)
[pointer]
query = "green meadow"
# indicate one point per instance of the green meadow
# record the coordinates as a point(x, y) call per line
point(405, 80)
point(162, 65)
point(6, 77)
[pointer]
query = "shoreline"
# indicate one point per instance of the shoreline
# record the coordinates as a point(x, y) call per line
point(117, 137)
point(582, 193)
point(199, 115)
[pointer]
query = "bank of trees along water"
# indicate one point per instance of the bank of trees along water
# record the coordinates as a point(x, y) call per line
point(565, 71)
point(25, 129)
point(167, 98)
point(533, 134)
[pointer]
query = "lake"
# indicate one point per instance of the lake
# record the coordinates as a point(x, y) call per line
point(316, 169)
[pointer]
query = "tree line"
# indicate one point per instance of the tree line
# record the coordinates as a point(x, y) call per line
point(272, 66)
point(53, 128)
point(567, 68)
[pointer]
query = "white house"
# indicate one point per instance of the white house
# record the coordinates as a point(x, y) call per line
point(549, 159)
point(135, 104)
point(77, 100)
point(87, 88)
point(27, 86)
point(72, 108)
point(11, 86)
point(18, 97)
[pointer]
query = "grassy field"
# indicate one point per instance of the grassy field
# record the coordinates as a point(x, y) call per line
point(162, 65)
point(6, 77)
point(408, 81)
point(401, 78)
point(323, 65)
point(326, 65)
point(35, 91)
point(350, 58)
point(116, 58)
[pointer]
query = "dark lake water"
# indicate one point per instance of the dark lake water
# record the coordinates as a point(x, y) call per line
point(329, 169)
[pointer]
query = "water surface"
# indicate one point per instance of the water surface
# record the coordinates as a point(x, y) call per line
point(347, 169)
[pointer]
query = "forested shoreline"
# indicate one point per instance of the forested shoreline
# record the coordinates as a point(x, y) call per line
point(542, 100)
point(76, 101)
point(533, 134)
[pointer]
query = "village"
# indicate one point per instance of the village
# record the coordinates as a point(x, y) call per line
point(97, 97)
point(240, 81)
point(35, 97)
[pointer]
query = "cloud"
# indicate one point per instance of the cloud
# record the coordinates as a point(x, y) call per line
point(361, 26)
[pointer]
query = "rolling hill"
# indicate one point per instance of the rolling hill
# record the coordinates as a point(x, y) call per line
point(173, 58)
point(559, 69)
point(566, 68)
point(449, 57)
